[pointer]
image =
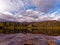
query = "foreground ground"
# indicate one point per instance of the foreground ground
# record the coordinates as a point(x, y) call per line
point(28, 39)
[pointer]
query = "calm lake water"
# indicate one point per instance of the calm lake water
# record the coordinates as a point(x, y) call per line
point(15, 39)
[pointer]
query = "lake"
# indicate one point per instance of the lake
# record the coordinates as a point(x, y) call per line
point(21, 39)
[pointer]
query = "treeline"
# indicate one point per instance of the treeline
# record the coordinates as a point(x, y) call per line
point(46, 27)
point(13, 27)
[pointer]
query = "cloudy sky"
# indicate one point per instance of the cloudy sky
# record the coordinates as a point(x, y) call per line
point(29, 10)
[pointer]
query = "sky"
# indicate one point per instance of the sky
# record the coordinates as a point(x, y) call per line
point(29, 10)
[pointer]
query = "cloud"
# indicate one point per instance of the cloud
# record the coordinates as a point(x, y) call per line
point(29, 16)
point(30, 10)
point(45, 5)
point(14, 6)
point(18, 6)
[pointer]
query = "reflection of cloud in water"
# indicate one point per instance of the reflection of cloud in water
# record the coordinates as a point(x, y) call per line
point(15, 38)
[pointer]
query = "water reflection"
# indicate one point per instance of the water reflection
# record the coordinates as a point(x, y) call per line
point(21, 38)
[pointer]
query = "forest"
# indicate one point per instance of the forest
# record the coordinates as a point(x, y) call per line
point(44, 27)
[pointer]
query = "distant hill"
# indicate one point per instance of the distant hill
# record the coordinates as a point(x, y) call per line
point(51, 27)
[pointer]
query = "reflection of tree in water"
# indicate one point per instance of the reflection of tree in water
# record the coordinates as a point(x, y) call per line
point(47, 27)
